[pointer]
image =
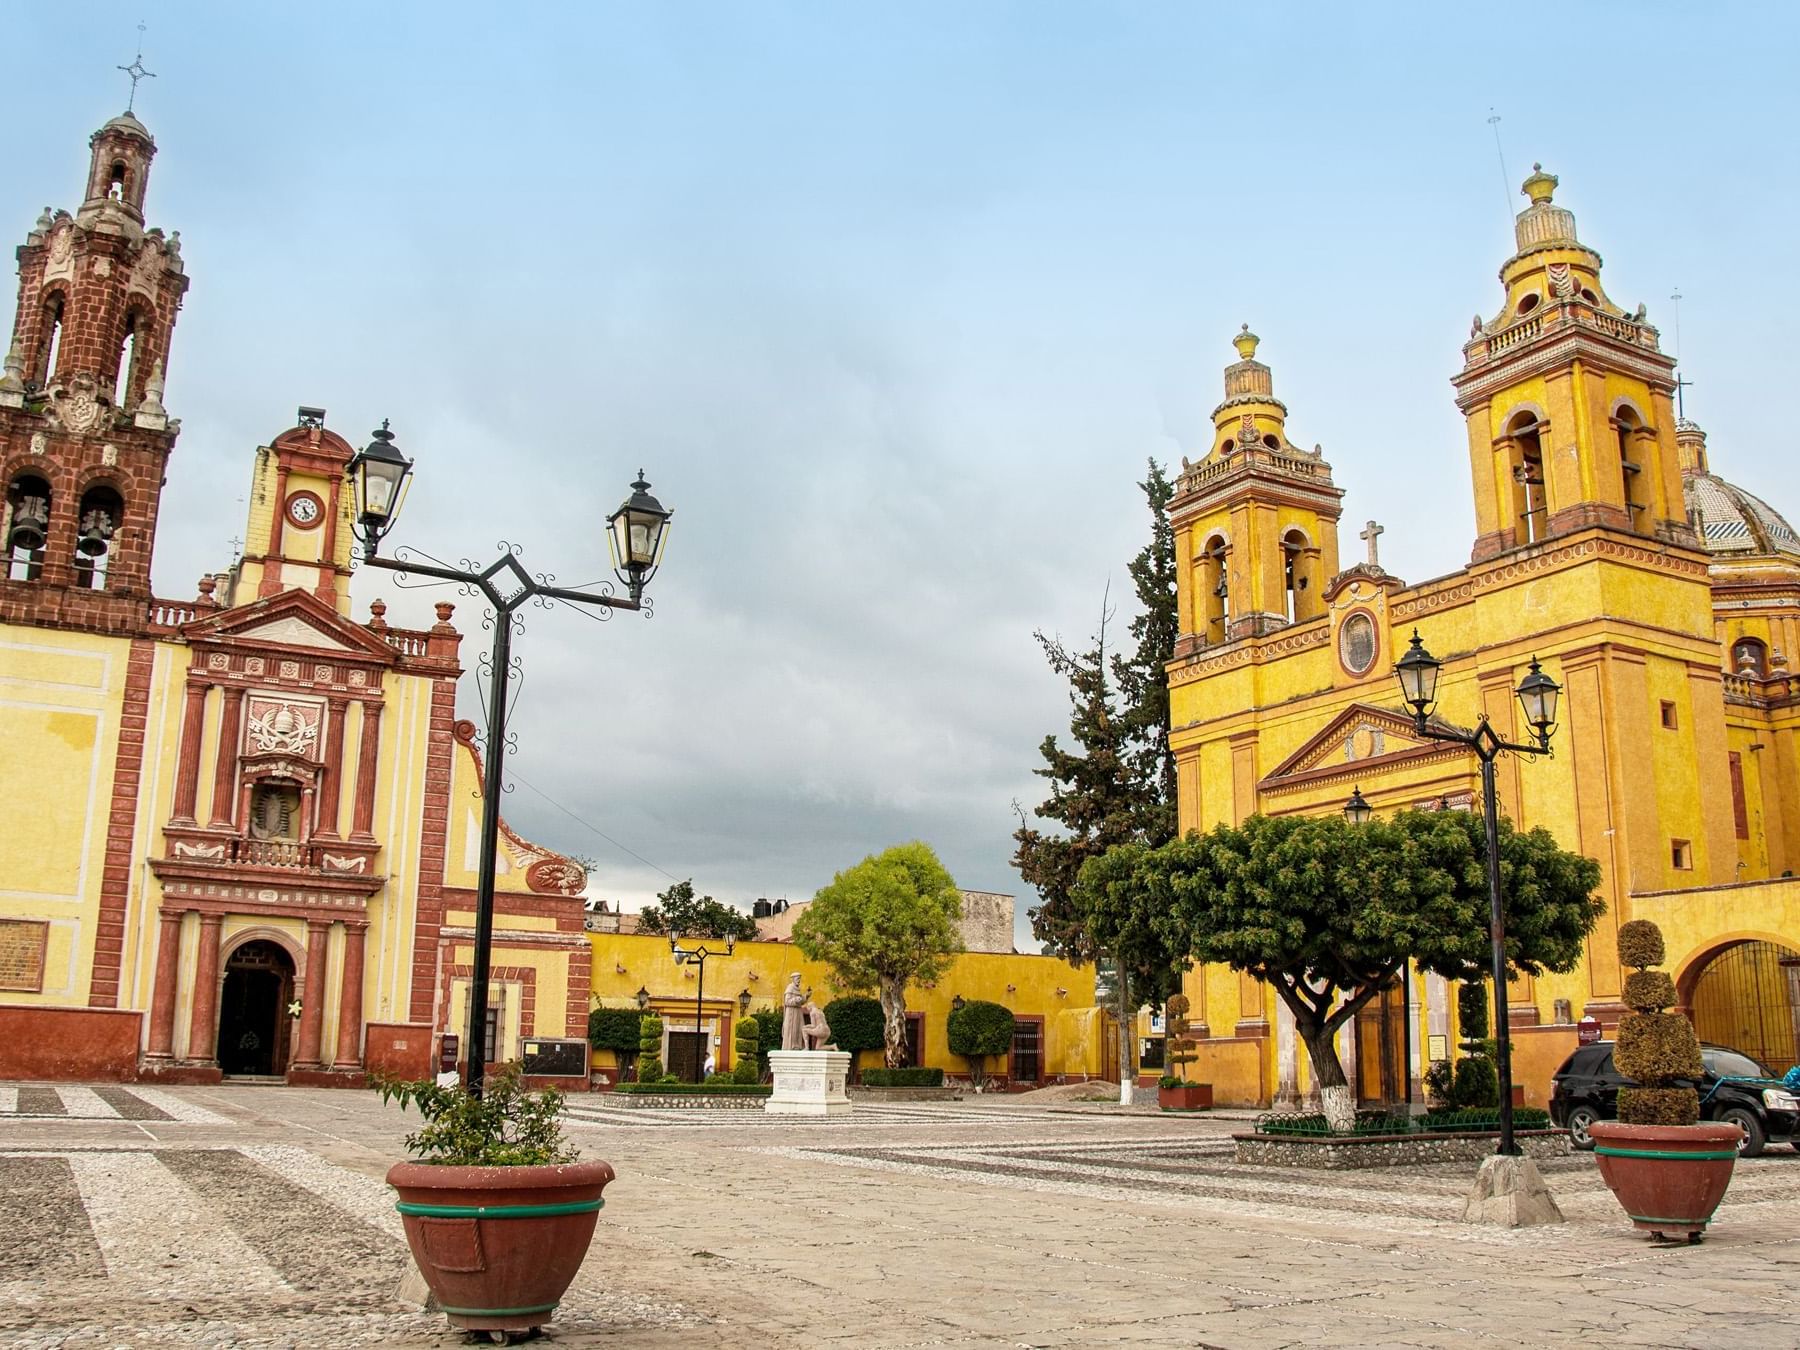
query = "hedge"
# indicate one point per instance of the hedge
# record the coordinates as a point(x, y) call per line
point(903, 1077)
point(615, 1029)
point(695, 1089)
point(856, 1023)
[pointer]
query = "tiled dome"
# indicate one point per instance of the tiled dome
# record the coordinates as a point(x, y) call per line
point(1731, 520)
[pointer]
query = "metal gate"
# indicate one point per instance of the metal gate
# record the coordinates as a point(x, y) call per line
point(1748, 998)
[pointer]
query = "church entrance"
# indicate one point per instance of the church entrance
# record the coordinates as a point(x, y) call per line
point(254, 1025)
point(1748, 998)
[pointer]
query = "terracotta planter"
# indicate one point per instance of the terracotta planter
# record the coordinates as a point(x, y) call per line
point(1669, 1178)
point(1195, 1097)
point(499, 1245)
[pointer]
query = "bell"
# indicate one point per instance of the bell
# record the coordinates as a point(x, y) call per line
point(96, 529)
point(30, 524)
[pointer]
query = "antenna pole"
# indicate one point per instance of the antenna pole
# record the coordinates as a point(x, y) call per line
point(1505, 178)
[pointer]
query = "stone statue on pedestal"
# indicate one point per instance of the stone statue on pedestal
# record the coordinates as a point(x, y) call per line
point(793, 1016)
point(817, 1029)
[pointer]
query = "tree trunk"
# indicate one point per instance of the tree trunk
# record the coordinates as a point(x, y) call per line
point(893, 1021)
point(1328, 1076)
point(1127, 1039)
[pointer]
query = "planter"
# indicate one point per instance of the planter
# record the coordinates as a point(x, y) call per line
point(499, 1245)
point(1669, 1178)
point(1193, 1097)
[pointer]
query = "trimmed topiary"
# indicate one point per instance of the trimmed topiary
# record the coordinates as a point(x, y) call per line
point(1655, 1049)
point(1640, 944)
point(746, 1039)
point(1472, 1013)
point(977, 1030)
point(1476, 1084)
point(650, 1065)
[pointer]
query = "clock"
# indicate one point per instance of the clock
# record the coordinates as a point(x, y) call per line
point(304, 509)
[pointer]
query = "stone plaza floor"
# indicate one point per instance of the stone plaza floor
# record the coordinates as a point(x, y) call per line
point(256, 1216)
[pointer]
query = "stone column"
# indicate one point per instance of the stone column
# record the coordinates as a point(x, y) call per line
point(363, 821)
point(225, 765)
point(187, 770)
point(1287, 1067)
point(162, 995)
point(203, 1026)
point(332, 780)
point(312, 1001)
point(350, 1000)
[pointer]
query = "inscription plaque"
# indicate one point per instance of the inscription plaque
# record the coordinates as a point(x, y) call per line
point(22, 946)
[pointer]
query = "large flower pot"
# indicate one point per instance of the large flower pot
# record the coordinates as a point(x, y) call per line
point(1669, 1178)
point(499, 1245)
point(1192, 1097)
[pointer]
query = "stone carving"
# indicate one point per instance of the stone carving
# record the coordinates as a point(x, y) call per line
point(816, 1029)
point(793, 1014)
point(253, 666)
point(187, 848)
point(218, 661)
point(278, 726)
point(290, 670)
point(322, 674)
point(334, 862)
point(78, 411)
point(291, 631)
point(556, 876)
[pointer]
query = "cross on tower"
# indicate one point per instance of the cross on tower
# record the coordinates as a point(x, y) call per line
point(136, 69)
point(1371, 534)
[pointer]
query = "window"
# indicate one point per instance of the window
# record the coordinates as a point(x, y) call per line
point(1529, 302)
point(1525, 451)
point(1750, 657)
point(95, 525)
point(1633, 446)
point(490, 1037)
point(127, 359)
point(1299, 583)
point(1356, 643)
point(115, 183)
point(1668, 716)
point(1740, 808)
point(1681, 855)
point(52, 339)
point(1215, 590)
point(25, 528)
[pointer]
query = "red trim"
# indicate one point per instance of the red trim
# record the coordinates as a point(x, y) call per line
point(121, 827)
point(433, 844)
point(1012, 1078)
point(1337, 642)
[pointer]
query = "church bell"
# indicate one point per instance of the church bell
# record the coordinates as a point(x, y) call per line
point(30, 524)
point(96, 530)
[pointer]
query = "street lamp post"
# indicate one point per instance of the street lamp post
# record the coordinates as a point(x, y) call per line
point(698, 955)
point(1417, 670)
point(636, 534)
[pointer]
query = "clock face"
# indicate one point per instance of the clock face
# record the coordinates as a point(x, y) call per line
point(304, 509)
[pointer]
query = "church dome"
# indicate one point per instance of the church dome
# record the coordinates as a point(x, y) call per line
point(1731, 521)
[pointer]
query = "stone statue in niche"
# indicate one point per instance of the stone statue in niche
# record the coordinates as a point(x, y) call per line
point(793, 1014)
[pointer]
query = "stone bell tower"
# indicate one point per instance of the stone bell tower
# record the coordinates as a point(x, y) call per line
point(84, 436)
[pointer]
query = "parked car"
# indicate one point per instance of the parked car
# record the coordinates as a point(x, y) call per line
point(1734, 1088)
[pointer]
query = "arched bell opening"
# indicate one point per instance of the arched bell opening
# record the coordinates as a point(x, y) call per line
point(25, 527)
point(96, 525)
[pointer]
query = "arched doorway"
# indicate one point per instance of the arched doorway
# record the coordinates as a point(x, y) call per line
point(1748, 997)
point(253, 1010)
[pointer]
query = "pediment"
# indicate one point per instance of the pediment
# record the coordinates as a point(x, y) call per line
point(296, 619)
point(1363, 739)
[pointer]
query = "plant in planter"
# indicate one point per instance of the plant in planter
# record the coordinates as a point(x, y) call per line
point(499, 1210)
point(1174, 1092)
point(1667, 1170)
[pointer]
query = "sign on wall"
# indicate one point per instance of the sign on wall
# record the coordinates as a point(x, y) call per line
point(555, 1058)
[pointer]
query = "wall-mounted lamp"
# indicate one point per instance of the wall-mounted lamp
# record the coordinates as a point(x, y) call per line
point(754, 977)
point(744, 1003)
point(956, 1004)
point(643, 998)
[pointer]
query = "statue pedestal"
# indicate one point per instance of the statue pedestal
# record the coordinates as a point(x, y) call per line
point(809, 1083)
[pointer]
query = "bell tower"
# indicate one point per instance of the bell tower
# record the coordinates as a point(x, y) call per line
point(298, 536)
point(1255, 521)
point(1567, 399)
point(84, 436)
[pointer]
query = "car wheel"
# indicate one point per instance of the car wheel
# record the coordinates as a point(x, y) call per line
point(1754, 1136)
point(1579, 1121)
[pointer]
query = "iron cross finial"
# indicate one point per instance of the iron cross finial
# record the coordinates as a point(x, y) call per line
point(136, 69)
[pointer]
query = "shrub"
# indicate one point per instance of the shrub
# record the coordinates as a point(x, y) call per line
point(746, 1039)
point(1439, 1080)
point(979, 1029)
point(768, 1027)
point(856, 1025)
point(1475, 1084)
point(507, 1126)
point(903, 1078)
point(1472, 1012)
point(1171, 1080)
point(615, 1029)
point(1486, 1117)
point(1179, 1045)
point(650, 1065)
point(1655, 1048)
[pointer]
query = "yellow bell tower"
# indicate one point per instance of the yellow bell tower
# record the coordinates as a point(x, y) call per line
point(298, 536)
point(1568, 399)
point(1255, 521)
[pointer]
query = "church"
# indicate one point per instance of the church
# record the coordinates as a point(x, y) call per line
point(1664, 600)
point(245, 828)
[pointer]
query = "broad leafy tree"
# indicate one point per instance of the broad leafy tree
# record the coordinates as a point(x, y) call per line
point(680, 913)
point(891, 919)
point(1327, 912)
point(1113, 783)
point(978, 1030)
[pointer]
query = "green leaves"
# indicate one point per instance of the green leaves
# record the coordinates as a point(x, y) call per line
point(894, 915)
point(507, 1126)
point(680, 913)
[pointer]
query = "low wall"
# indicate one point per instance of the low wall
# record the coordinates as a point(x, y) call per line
point(69, 1045)
point(1389, 1150)
point(401, 1049)
point(905, 1094)
point(686, 1101)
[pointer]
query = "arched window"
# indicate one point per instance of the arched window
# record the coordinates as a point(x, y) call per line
point(1531, 507)
point(95, 525)
point(1750, 657)
point(115, 182)
point(25, 528)
point(127, 362)
point(1271, 440)
point(1215, 589)
point(51, 341)
point(1529, 302)
point(1297, 576)
point(1634, 443)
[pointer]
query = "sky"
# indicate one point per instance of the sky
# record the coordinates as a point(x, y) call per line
point(892, 304)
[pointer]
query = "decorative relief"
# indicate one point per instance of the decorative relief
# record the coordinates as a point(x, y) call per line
point(78, 410)
point(1425, 604)
point(282, 726)
point(556, 876)
point(322, 674)
point(39, 442)
point(358, 677)
point(62, 245)
point(103, 267)
point(218, 661)
point(146, 269)
point(334, 862)
point(290, 670)
point(188, 848)
point(109, 454)
point(253, 665)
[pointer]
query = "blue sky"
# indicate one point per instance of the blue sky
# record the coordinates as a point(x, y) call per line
point(892, 303)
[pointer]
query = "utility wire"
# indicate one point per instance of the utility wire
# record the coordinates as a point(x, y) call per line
point(516, 777)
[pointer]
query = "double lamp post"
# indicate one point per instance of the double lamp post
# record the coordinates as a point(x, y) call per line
point(636, 534)
point(1417, 670)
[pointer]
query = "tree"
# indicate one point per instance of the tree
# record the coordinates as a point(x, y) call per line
point(857, 1025)
point(618, 1030)
point(979, 1029)
point(1327, 912)
point(891, 919)
point(680, 914)
point(1118, 785)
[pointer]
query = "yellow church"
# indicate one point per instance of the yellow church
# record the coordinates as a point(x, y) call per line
point(243, 827)
point(1664, 600)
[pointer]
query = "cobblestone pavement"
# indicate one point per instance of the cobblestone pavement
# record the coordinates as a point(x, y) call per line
point(256, 1216)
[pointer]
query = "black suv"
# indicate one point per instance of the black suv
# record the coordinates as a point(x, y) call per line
point(1734, 1088)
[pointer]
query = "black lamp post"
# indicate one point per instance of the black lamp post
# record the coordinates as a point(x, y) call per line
point(1417, 670)
point(636, 534)
point(698, 955)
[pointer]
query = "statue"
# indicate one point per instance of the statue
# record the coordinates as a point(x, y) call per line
point(793, 1016)
point(818, 1030)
